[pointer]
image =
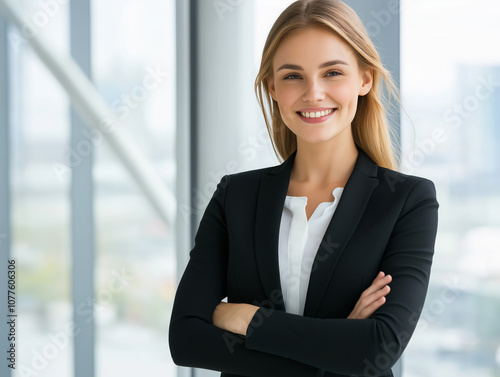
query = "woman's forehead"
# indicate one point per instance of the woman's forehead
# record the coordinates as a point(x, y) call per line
point(312, 46)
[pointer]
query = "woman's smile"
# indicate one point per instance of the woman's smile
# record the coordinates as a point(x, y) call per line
point(316, 115)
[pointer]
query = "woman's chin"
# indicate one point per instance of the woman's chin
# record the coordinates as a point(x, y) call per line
point(316, 137)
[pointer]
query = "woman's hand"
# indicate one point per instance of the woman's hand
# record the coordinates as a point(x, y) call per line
point(237, 317)
point(234, 317)
point(372, 298)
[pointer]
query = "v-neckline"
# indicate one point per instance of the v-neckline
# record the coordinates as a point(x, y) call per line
point(305, 199)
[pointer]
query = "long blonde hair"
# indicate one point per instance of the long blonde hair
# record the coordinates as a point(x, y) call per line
point(370, 128)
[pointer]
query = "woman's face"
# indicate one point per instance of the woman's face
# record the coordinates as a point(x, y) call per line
point(316, 83)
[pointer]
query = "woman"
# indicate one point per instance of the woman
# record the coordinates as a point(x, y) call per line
point(294, 247)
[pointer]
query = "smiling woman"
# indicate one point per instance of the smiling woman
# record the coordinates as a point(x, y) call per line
point(343, 50)
point(305, 251)
point(309, 93)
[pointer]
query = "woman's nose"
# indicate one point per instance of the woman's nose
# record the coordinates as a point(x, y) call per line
point(313, 92)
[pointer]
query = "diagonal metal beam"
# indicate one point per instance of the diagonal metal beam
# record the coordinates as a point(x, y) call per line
point(99, 117)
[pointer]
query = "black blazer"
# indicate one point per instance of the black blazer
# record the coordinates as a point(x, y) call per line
point(385, 221)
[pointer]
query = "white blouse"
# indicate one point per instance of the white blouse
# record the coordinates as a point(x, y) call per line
point(299, 240)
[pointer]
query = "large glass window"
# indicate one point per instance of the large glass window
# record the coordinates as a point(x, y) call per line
point(450, 79)
point(133, 67)
point(40, 204)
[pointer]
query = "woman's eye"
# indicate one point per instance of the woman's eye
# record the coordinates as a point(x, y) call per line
point(333, 73)
point(291, 77)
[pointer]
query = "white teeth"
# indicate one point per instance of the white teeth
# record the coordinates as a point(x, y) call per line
point(317, 114)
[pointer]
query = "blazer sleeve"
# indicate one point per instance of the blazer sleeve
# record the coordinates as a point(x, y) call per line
point(193, 339)
point(357, 347)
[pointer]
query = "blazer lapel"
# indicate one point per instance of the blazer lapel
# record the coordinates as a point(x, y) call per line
point(271, 198)
point(355, 196)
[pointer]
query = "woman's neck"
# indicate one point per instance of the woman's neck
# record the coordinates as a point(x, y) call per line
point(324, 163)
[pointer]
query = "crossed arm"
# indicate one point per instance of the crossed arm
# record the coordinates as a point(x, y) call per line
point(237, 317)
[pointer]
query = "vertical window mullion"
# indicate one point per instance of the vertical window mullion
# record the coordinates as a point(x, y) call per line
point(185, 100)
point(82, 194)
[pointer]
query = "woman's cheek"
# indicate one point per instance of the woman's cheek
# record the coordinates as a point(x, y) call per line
point(287, 100)
point(341, 93)
point(287, 95)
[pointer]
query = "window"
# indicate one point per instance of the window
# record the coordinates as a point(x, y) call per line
point(133, 66)
point(450, 79)
point(39, 202)
point(133, 56)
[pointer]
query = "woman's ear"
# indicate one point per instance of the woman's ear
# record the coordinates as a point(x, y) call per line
point(367, 82)
point(271, 87)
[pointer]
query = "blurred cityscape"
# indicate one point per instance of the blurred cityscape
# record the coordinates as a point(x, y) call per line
point(135, 250)
point(458, 334)
point(451, 92)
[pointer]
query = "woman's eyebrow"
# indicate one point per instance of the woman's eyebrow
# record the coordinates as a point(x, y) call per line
point(324, 65)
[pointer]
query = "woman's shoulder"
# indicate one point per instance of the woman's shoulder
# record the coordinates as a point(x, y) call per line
point(243, 182)
point(251, 176)
point(406, 179)
point(389, 179)
point(396, 182)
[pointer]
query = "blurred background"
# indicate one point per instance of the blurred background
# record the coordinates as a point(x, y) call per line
point(99, 252)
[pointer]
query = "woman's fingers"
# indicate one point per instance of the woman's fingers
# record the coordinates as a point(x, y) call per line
point(380, 275)
point(380, 281)
point(372, 298)
point(374, 301)
point(367, 301)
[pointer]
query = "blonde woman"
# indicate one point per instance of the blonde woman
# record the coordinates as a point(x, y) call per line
point(324, 259)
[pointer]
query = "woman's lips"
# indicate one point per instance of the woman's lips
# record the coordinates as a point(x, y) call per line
point(328, 113)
